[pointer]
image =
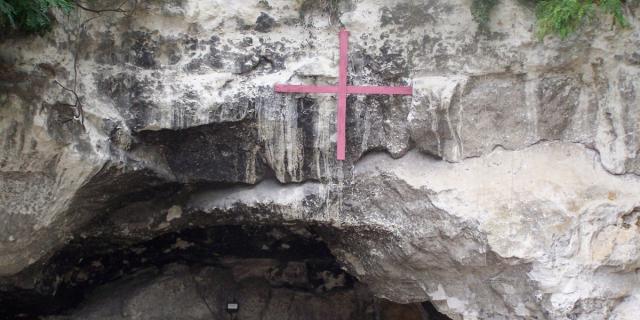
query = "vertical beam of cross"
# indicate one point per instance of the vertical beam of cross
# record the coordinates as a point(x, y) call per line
point(342, 90)
point(342, 95)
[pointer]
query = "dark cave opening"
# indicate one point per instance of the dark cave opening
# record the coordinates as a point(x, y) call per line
point(270, 271)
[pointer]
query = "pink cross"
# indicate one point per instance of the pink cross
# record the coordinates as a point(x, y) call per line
point(342, 89)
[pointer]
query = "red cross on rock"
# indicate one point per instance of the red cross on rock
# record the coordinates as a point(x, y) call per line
point(342, 90)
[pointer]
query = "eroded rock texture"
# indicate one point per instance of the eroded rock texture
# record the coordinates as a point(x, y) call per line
point(506, 187)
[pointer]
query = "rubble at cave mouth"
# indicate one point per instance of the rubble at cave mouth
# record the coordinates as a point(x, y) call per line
point(271, 271)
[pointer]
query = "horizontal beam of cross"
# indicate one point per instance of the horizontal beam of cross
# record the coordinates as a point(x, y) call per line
point(293, 88)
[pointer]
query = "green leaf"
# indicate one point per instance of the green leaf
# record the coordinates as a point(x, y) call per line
point(31, 15)
point(564, 17)
point(7, 12)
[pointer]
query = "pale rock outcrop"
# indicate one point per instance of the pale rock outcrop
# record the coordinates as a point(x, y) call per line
point(513, 234)
point(505, 187)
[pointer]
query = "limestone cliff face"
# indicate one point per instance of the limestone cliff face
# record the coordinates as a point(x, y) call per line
point(506, 187)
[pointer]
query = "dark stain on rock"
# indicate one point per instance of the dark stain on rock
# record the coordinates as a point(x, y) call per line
point(307, 110)
point(118, 135)
point(225, 152)
point(390, 65)
point(247, 42)
point(248, 63)
point(407, 15)
point(193, 65)
point(214, 57)
point(107, 52)
point(131, 96)
point(332, 8)
point(172, 51)
point(264, 23)
point(558, 97)
point(141, 47)
point(49, 69)
point(62, 124)
point(29, 86)
point(634, 58)
point(240, 57)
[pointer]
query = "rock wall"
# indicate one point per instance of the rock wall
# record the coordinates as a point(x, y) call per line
point(506, 187)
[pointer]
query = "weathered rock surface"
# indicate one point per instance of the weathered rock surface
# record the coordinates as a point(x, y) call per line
point(507, 187)
point(512, 234)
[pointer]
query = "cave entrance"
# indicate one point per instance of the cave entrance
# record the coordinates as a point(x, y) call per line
point(270, 272)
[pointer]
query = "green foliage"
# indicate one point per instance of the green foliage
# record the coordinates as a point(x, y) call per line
point(30, 15)
point(480, 10)
point(614, 7)
point(564, 17)
point(561, 17)
point(6, 13)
